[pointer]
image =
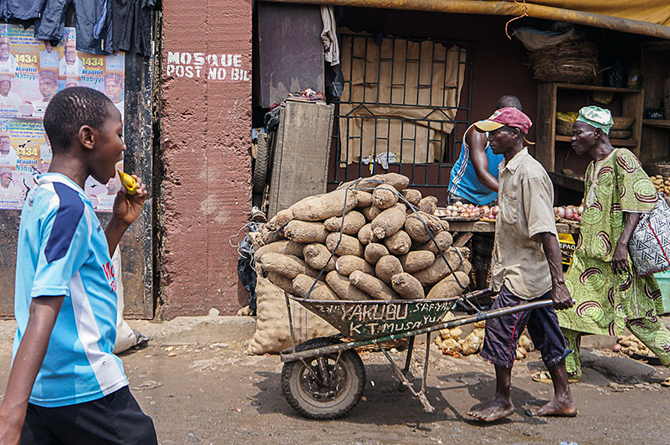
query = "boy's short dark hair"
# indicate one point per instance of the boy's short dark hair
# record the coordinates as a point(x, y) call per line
point(69, 110)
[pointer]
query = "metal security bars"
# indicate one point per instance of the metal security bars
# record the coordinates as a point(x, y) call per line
point(403, 103)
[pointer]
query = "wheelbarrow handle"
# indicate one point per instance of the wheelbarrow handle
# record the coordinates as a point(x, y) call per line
point(290, 355)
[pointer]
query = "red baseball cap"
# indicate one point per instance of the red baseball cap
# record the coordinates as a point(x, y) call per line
point(509, 116)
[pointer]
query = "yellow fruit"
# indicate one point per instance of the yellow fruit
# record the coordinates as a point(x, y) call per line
point(128, 182)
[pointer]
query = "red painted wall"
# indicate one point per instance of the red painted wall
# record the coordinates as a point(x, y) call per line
point(205, 139)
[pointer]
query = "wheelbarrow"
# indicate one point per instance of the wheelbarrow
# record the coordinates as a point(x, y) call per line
point(324, 378)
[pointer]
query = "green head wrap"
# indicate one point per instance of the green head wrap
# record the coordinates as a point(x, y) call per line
point(596, 117)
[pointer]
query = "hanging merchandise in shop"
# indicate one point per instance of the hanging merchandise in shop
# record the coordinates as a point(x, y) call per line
point(31, 73)
point(103, 26)
point(131, 25)
point(21, 9)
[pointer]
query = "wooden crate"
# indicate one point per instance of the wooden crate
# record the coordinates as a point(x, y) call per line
point(300, 154)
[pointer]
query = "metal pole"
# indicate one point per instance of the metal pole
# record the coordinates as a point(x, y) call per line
point(505, 8)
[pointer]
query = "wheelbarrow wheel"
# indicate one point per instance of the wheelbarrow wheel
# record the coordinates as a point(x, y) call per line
point(325, 387)
point(262, 164)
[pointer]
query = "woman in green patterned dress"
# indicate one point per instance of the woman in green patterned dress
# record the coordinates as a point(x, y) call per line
point(609, 295)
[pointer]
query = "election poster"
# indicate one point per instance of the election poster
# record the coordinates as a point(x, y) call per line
point(32, 72)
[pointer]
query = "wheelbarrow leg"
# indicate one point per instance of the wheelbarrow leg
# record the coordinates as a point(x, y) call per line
point(408, 360)
point(421, 395)
point(425, 364)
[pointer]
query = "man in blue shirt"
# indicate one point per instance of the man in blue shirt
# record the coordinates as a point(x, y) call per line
point(474, 180)
point(66, 385)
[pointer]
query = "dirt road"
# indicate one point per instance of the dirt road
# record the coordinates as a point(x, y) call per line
point(214, 394)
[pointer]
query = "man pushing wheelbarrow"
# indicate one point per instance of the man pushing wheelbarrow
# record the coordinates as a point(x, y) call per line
point(526, 267)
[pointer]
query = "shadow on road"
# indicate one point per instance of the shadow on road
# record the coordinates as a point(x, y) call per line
point(384, 404)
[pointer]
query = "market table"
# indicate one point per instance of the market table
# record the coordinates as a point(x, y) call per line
point(489, 226)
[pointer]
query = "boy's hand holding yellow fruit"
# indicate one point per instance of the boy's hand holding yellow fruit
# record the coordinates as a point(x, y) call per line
point(128, 182)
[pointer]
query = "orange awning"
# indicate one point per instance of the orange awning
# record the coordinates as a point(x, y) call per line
point(645, 17)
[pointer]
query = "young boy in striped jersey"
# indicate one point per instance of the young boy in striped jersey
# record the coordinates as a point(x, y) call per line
point(66, 385)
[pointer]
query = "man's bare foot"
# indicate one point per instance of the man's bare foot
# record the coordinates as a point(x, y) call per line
point(555, 409)
point(494, 410)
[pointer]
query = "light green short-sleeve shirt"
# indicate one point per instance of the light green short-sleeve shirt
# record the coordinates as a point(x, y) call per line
point(526, 197)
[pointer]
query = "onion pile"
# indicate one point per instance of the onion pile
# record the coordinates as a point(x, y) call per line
point(572, 213)
point(460, 210)
point(491, 213)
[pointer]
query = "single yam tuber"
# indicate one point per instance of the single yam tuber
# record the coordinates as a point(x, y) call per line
point(320, 207)
point(374, 251)
point(384, 196)
point(346, 264)
point(428, 204)
point(343, 287)
point(371, 213)
point(365, 234)
point(399, 243)
point(465, 265)
point(473, 342)
point(282, 282)
point(388, 222)
point(347, 245)
point(285, 247)
point(318, 257)
point(286, 265)
point(439, 269)
point(450, 345)
point(449, 287)
point(353, 222)
point(386, 267)
point(368, 183)
point(364, 198)
point(525, 342)
point(400, 182)
point(268, 236)
point(256, 241)
point(407, 286)
point(372, 286)
point(303, 283)
point(305, 232)
point(443, 239)
point(280, 219)
point(417, 260)
point(412, 196)
point(418, 224)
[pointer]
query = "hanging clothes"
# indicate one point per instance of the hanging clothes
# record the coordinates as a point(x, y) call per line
point(329, 36)
point(21, 9)
point(89, 14)
point(131, 25)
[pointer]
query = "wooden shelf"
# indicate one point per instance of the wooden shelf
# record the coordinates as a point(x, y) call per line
point(567, 181)
point(657, 123)
point(570, 86)
point(615, 142)
point(550, 96)
point(490, 227)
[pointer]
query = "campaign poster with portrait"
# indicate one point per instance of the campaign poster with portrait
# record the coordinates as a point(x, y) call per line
point(31, 72)
point(23, 154)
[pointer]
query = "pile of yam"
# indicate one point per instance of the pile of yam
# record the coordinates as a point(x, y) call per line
point(370, 239)
point(632, 346)
point(453, 342)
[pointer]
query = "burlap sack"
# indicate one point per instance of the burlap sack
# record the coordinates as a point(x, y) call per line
point(272, 328)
